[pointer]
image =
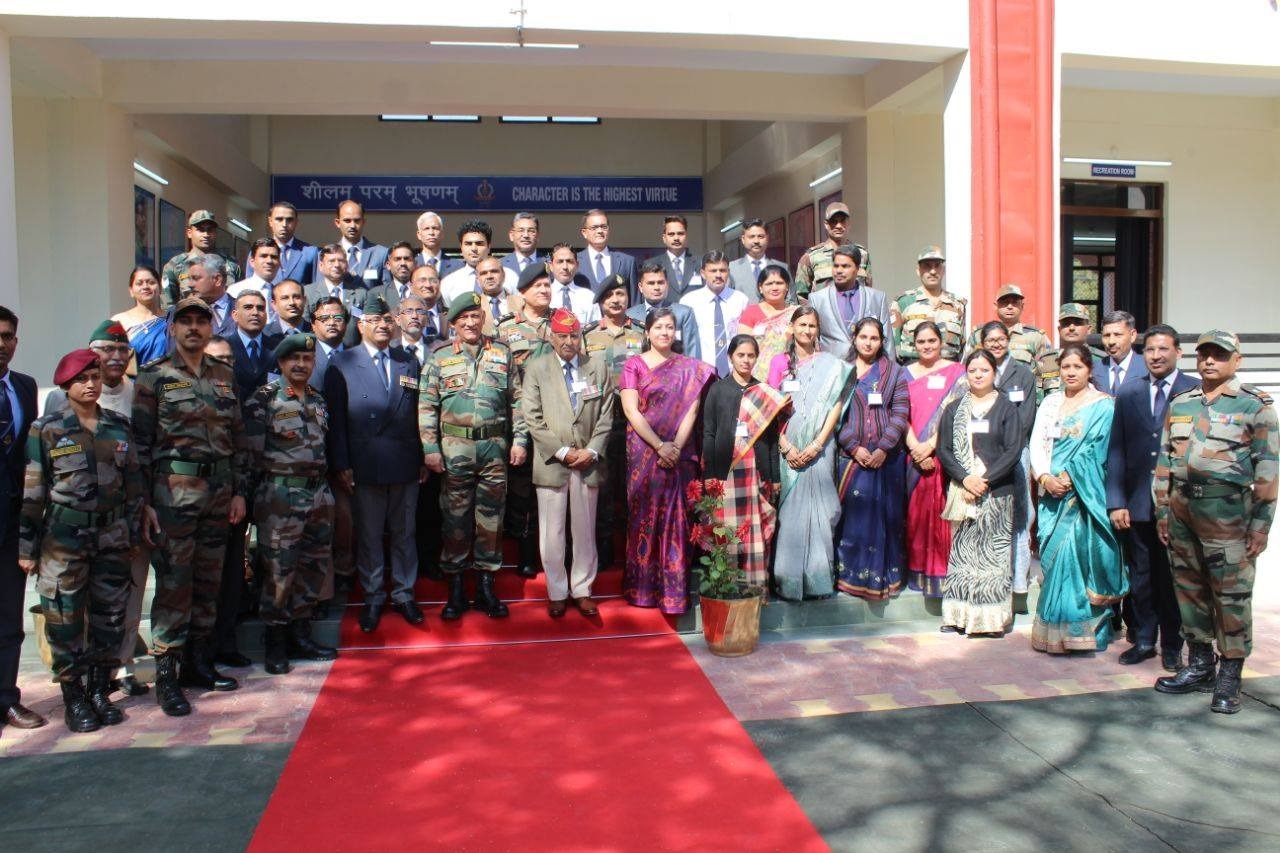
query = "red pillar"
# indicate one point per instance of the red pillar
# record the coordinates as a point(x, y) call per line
point(1011, 72)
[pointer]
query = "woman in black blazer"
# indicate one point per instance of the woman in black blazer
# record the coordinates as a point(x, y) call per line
point(979, 446)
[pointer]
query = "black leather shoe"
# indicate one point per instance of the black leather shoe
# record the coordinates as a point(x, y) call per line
point(370, 616)
point(1226, 694)
point(79, 715)
point(22, 717)
point(197, 669)
point(528, 567)
point(1171, 660)
point(410, 610)
point(276, 660)
point(130, 686)
point(235, 660)
point(1197, 676)
point(168, 694)
point(456, 604)
point(300, 645)
point(100, 697)
point(1137, 654)
point(487, 602)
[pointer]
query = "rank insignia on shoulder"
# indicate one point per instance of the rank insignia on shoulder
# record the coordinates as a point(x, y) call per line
point(1255, 391)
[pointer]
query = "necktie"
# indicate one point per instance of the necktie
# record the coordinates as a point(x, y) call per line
point(353, 255)
point(6, 417)
point(431, 262)
point(335, 291)
point(493, 304)
point(429, 330)
point(1161, 403)
point(403, 289)
point(1115, 379)
point(722, 355)
point(678, 265)
point(253, 354)
point(524, 262)
point(568, 385)
point(755, 270)
point(599, 268)
point(382, 371)
point(564, 298)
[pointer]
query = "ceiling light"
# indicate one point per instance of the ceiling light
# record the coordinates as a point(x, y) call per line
point(1093, 239)
point(575, 119)
point(455, 118)
point(143, 170)
point(828, 176)
point(544, 45)
point(1103, 161)
point(400, 117)
point(237, 223)
point(732, 225)
point(524, 119)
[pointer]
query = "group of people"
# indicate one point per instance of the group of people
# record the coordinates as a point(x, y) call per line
point(373, 412)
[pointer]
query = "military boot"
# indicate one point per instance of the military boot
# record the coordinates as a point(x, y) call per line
point(100, 696)
point(302, 647)
point(456, 604)
point(1226, 696)
point(277, 654)
point(528, 567)
point(487, 601)
point(1197, 675)
point(168, 694)
point(79, 714)
point(198, 669)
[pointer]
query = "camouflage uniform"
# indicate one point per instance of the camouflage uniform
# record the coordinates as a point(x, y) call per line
point(914, 308)
point(615, 346)
point(191, 446)
point(1215, 482)
point(81, 512)
point(468, 412)
point(174, 278)
point(814, 270)
point(293, 506)
point(526, 339)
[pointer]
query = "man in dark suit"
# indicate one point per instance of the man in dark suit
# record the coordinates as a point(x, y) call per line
point(372, 392)
point(655, 293)
point(598, 262)
point(431, 236)
point(1131, 461)
point(251, 347)
point(17, 411)
point(524, 241)
point(1121, 364)
point(336, 281)
point(400, 265)
point(366, 260)
point(290, 303)
point(411, 317)
point(330, 329)
point(297, 257)
point(678, 261)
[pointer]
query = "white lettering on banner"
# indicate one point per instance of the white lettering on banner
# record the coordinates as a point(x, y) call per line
point(387, 191)
point(311, 190)
point(539, 193)
point(420, 194)
point(326, 191)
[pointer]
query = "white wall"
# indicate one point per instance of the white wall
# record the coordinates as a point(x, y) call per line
point(1222, 199)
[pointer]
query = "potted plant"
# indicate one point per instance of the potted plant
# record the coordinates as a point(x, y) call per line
point(730, 606)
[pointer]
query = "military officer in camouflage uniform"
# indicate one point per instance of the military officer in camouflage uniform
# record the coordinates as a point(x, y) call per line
point(81, 513)
point(1026, 342)
point(471, 427)
point(528, 335)
point(286, 423)
point(814, 270)
point(615, 337)
point(202, 234)
point(929, 302)
point(190, 437)
point(1215, 494)
point(1074, 326)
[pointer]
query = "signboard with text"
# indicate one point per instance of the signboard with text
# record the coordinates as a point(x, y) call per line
point(496, 192)
point(1113, 170)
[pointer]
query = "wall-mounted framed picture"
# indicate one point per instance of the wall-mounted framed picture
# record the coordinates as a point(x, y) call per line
point(800, 232)
point(777, 231)
point(173, 231)
point(144, 226)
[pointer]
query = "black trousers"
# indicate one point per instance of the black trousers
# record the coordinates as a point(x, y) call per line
point(231, 595)
point(13, 588)
point(1151, 605)
point(427, 523)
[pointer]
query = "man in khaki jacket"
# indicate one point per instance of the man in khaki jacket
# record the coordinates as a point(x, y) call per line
point(568, 405)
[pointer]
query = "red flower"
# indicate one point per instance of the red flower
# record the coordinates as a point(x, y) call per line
point(743, 531)
point(715, 488)
point(694, 491)
point(698, 534)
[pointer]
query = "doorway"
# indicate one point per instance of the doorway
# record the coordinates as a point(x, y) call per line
point(1111, 248)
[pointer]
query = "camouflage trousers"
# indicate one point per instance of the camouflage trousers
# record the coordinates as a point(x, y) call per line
point(295, 539)
point(471, 503)
point(1212, 579)
point(84, 570)
point(520, 519)
point(188, 563)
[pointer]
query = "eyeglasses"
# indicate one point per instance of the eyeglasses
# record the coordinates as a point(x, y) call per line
point(596, 228)
point(421, 312)
point(378, 320)
point(330, 318)
point(111, 349)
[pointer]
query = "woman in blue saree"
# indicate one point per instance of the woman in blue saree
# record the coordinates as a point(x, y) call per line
point(1079, 553)
point(146, 326)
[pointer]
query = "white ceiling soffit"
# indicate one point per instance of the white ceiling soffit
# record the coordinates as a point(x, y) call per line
point(1258, 85)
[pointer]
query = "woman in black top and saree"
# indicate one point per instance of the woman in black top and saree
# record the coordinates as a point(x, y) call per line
point(740, 448)
point(979, 445)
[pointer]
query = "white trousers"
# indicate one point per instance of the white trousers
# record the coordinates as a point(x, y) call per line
point(577, 501)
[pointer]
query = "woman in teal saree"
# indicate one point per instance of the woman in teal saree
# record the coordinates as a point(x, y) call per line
point(1084, 577)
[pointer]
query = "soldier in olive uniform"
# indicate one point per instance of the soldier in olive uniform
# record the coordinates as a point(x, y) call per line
point(286, 423)
point(929, 302)
point(190, 437)
point(81, 514)
point(615, 337)
point(1074, 326)
point(202, 234)
point(814, 270)
point(468, 417)
point(1026, 342)
point(527, 335)
point(1215, 493)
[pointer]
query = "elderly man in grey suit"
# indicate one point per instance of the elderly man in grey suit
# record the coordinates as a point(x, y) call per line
point(846, 301)
point(745, 271)
point(568, 401)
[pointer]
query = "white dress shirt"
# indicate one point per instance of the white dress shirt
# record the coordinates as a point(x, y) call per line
point(582, 302)
point(254, 283)
point(702, 303)
point(1112, 378)
point(460, 281)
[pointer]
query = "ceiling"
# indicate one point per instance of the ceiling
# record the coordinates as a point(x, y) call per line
point(1251, 85)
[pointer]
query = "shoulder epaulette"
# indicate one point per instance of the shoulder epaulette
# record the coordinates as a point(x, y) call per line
point(590, 327)
point(156, 361)
point(1255, 391)
point(440, 344)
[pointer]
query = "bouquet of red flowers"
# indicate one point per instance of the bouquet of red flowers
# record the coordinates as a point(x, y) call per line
point(719, 575)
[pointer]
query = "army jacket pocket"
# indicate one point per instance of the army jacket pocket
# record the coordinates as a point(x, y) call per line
point(1227, 433)
point(69, 463)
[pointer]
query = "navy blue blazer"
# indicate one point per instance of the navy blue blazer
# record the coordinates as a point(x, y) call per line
point(322, 365)
point(622, 263)
point(1101, 376)
point(373, 432)
point(301, 267)
point(447, 264)
point(1135, 441)
point(274, 328)
point(13, 463)
point(509, 260)
point(249, 380)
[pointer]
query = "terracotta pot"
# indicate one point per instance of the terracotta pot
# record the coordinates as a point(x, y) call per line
point(731, 626)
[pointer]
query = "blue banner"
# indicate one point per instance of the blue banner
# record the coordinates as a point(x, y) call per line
point(1112, 170)
point(539, 193)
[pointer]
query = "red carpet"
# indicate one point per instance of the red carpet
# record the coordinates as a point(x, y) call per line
point(509, 586)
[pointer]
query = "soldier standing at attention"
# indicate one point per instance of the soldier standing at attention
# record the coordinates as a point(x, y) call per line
point(202, 235)
point(467, 413)
point(1074, 326)
point(814, 270)
point(1026, 343)
point(190, 438)
point(929, 302)
point(527, 335)
point(1215, 494)
point(286, 423)
point(81, 514)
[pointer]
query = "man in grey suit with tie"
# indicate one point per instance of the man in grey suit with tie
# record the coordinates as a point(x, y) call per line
point(678, 261)
point(336, 282)
point(207, 276)
point(401, 262)
point(655, 293)
point(568, 401)
point(366, 260)
point(598, 262)
point(431, 236)
point(1122, 364)
point(745, 271)
point(524, 240)
point(847, 301)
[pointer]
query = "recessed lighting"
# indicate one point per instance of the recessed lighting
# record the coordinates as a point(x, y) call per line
point(143, 170)
point(1103, 161)
point(237, 223)
point(575, 119)
point(1093, 239)
point(828, 176)
point(456, 118)
point(542, 45)
point(400, 117)
point(732, 225)
point(524, 119)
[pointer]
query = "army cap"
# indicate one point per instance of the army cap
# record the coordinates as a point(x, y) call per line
point(192, 303)
point(1009, 290)
point(463, 303)
point(109, 330)
point(834, 209)
point(1219, 338)
point(375, 305)
point(532, 273)
point(202, 216)
point(931, 253)
point(300, 342)
point(1073, 311)
point(609, 285)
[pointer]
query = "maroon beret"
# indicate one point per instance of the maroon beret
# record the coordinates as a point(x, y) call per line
point(73, 364)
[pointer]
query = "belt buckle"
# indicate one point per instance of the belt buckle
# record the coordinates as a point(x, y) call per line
point(1197, 490)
